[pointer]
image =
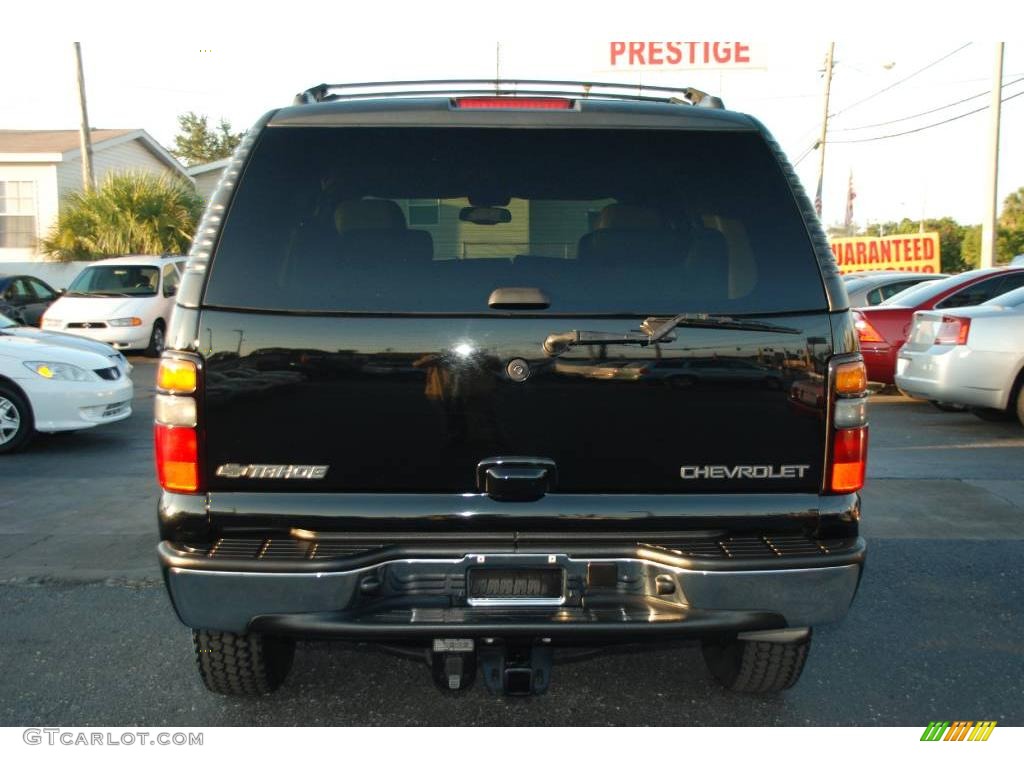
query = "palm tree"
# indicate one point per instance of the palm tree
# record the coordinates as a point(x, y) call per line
point(130, 212)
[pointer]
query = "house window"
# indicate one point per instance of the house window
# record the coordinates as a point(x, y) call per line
point(424, 212)
point(17, 214)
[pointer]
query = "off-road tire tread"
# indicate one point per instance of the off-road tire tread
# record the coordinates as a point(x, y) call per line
point(241, 665)
point(758, 667)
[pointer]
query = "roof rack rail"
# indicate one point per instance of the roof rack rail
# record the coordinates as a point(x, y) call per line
point(482, 87)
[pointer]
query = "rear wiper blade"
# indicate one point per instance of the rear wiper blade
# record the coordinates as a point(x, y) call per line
point(656, 329)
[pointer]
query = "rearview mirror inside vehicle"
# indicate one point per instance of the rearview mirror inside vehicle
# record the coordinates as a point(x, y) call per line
point(478, 214)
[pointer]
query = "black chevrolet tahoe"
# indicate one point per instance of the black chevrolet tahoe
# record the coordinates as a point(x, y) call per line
point(484, 371)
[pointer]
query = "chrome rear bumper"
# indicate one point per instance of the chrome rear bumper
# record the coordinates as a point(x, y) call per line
point(647, 593)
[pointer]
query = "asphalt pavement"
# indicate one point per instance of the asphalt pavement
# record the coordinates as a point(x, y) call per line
point(88, 636)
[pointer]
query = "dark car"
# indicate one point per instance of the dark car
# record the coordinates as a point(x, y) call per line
point(884, 329)
point(402, 399)
point(24, 298)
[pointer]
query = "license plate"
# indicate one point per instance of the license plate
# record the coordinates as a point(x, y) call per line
point(516, 586)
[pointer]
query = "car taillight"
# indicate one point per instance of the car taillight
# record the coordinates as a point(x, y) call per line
point(848, 452)
point(953, 330)
point(176, 428)
point(511, 102)
point(865, 330)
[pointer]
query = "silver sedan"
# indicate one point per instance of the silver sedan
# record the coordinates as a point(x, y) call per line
point(972, 356)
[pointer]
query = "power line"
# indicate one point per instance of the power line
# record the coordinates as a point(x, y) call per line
point(898, 82)
point(807, 152)
point(927, 112)
point(923, 127)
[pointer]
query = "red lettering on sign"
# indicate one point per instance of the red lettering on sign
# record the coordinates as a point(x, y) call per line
point(675, 55)
point(848, 254)
point(861, 252)
point(929, 249)
point(873, 251)
point(654, 54)
point(636, 53)
point(917, 250)
point(907, 249)
point(885, 251)
point(742, 53)
point(724, 57)
point(617, 50)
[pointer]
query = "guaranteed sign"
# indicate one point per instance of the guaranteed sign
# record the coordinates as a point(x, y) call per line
point(906, 253)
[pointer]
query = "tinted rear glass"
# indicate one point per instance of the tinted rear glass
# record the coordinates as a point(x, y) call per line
point(433, 220)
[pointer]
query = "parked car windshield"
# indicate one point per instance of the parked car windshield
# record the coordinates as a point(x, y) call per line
point(433, 220)
point(115, 280)
point(929, 289)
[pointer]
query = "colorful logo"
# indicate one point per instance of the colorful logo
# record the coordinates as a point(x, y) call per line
point(961, 730)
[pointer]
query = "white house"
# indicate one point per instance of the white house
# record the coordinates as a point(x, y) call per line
point(207, 175)
point(37, 168)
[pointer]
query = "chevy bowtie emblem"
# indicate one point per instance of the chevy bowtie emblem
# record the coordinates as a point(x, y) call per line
point(273, 471)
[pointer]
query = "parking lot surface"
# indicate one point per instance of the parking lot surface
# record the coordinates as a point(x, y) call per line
point(89, 637)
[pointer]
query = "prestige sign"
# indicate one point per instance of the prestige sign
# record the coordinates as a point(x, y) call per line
point(906, 253)
point(629, 55)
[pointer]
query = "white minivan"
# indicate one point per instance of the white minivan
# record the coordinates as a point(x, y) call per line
point(125, 302)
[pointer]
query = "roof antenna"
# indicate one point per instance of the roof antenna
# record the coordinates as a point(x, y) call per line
point(497, 68)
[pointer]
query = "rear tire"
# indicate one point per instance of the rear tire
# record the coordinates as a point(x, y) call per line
point(242, 665)
point(1020, 405)
point(16, 421)
point(156, 340)
point(994, 414)
point(752, 666)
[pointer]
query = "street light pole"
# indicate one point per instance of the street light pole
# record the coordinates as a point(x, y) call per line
point(824, 128)
point(84, 137)
point(988, 224)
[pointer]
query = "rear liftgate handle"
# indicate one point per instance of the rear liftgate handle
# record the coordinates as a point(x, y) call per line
point(516, 478)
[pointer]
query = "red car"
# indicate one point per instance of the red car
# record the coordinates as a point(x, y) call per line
point(883, 329)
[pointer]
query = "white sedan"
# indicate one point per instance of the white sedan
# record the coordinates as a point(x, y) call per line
point(52, 382)
point(971, 356)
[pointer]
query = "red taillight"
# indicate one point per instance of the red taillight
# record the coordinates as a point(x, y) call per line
point(848, 452)
point(176, 432)
point(865, 330)
point(849, 460)
point(953, 330)
point(177, 458)
point(511, 102)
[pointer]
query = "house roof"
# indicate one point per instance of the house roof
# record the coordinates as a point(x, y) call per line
point(18, 146)
point(52, 141)
point(216, 165)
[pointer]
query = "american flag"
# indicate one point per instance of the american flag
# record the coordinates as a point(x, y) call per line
point(851, 195)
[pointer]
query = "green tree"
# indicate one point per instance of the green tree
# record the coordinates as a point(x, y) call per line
point(1010, 237)
point(970, 250)
point(196, 143)
point(951, 236)
point(130, 212)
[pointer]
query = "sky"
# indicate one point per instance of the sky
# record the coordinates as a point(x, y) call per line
point(144, 70)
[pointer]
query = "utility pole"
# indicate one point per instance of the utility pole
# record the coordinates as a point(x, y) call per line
point(988, 224)
point(824, 127)
point(86, 141)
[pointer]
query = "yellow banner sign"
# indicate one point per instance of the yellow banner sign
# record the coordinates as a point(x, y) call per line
point(907, 253)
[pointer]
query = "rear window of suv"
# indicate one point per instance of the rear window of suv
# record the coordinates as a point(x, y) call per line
point(433, 220)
